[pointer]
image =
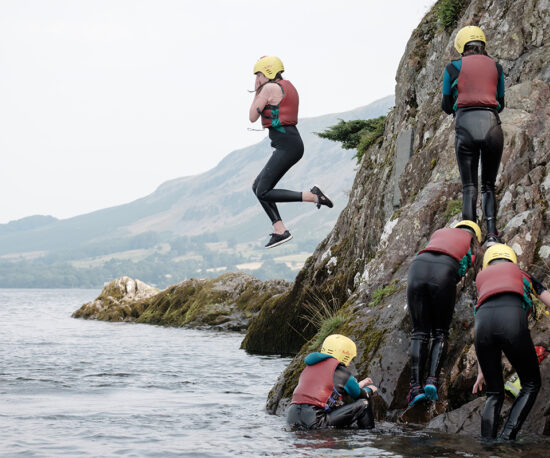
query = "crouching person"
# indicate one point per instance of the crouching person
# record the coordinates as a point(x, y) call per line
point(327, 393)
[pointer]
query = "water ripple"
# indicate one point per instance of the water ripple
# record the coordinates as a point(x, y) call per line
point(87, 388)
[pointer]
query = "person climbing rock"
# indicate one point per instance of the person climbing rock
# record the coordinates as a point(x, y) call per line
point(327, 393)
point(276, 102)
point(473, 92)
point(431, 296)
point(504, 299)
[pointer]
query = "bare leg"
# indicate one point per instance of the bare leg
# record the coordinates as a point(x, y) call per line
point(279, 227)
point(309, 197)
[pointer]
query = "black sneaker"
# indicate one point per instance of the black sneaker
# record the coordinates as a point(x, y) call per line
point(278, 239)
point(322, 198)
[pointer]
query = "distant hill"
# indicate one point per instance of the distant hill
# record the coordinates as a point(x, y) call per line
point(193, 226)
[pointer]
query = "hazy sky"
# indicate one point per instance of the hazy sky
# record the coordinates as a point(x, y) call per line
point(102, 101)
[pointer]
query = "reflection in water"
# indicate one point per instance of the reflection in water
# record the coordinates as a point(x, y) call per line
point(79, 387)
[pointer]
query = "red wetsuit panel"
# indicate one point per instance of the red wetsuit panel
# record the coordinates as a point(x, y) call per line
point(288, 106)
point(477, 82)
point(453, 242)
point(316, 383)
point(505, 277)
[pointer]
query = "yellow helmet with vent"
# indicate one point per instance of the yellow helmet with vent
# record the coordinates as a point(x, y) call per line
point(269, 66)
point(467, 34)
point(499, 251)
point(341, 347)
point(471, 225)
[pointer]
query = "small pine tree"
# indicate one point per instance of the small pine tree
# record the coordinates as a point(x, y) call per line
point(356, 134)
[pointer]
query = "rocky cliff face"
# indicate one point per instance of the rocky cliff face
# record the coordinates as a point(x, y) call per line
point(408, 186)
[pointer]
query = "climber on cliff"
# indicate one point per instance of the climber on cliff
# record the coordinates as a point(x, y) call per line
point(276, 102)
point(327, 393)
point(504, 299)
point(473, 91)
point(431, 296)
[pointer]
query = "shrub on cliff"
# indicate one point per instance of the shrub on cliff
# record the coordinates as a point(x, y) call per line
point(448, 12)
point(356, 134)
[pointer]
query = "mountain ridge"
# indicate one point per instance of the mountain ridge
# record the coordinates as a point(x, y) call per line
point(217, 205)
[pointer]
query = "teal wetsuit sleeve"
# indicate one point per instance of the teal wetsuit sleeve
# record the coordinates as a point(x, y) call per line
point(446, 83)
point(352, 387)
point(500, 88)
point(500, 84)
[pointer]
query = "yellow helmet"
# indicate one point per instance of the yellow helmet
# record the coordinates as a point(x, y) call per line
point(467, 34)
point(269, 66)
point(471, 225)
point(341, 347)
point(499, 251)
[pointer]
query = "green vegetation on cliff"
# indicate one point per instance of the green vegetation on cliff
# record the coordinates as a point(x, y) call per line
point(357, 134)
point(449, 11)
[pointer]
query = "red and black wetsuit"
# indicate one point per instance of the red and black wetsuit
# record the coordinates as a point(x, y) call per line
point(289, 149)
point(504, 300)
point(431, 295)
point(473, 89)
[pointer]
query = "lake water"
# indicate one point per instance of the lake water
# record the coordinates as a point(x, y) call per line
point(87, 388)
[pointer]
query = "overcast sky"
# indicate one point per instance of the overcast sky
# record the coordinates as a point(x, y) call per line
point(102, 101)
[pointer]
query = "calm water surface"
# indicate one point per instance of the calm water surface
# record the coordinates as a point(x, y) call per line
point(87, 388)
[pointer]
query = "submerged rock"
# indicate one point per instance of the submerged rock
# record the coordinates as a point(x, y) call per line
point(226, 303)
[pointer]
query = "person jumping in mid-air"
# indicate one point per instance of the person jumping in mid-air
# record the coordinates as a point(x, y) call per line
point(473, 91)
point(276, 102)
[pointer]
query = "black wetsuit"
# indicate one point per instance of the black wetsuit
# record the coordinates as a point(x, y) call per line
point(313, 417)
point(289, 149)
point(478, 135)
point(431, 295)
point(501, 326)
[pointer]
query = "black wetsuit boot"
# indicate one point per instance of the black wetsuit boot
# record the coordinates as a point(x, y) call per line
point(491, 414)
point(522, 406)
point(418, 353)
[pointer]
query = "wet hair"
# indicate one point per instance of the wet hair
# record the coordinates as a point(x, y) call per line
point(278, 76)
point(474, 47)
point(476, 249)
point(499, 261)
point(478, 252)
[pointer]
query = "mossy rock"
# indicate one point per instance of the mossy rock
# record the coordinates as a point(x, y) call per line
point(227, 302)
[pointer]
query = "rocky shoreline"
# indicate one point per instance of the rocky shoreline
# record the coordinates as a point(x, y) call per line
point(226, 303)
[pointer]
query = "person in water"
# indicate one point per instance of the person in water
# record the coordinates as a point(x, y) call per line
point(431, 296)
point(276, 102)
point(473, 92)
point(327, 393)
point(504, 299)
